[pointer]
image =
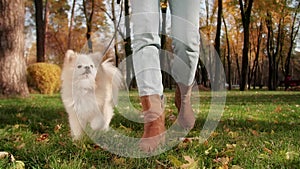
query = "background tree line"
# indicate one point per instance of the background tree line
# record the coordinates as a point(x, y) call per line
point(255, 40)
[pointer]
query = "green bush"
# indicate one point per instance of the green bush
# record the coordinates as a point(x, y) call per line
point(44, 77)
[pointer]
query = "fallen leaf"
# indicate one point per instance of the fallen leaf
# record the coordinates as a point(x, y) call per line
point(161, 164)
point(291, 155)
point(224, 162)
point(125, 128)
point(205, 143)
point(43, 137)
point(57, 128)
point(175, 162)
point(192, 164)
point(263, 156)
point(19, 165)
point(272, 132)
point(254, 132)
point(230, 146)
point(233, 134)
point(20, 146)
point(187, 140)
point(62, 143)
point(236, 167)
point(206, 152)
point(267, 150)
point(278, 109)
point(119, 161)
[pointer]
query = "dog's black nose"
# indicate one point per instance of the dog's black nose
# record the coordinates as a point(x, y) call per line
point(87, 67)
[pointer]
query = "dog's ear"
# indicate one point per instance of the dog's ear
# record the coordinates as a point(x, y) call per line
point(70, 56)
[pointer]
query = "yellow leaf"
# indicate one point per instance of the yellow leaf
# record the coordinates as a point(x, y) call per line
point(272, 132)
point(207, 151)
point(176, 163)
point(19, 165)
point(119, 161)
point(125, 128)
point(192, 164)
point(57, 128)
point(230, 146)
point(236, 167)
point(291, 155)
point(233, 134)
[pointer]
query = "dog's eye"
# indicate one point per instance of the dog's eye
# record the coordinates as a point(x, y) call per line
point(92, 66)
point(79, 66)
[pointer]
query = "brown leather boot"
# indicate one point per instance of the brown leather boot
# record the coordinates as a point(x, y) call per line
point(154, 123)
point(186, 117)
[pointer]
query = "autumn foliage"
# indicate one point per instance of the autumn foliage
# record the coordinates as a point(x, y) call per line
point(44, 77)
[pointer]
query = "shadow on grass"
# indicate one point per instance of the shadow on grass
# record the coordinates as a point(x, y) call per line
point(38, 112)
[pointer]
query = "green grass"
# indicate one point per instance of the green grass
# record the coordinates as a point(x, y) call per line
point(258, 129)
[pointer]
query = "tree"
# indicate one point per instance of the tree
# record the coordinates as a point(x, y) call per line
point(294, 32)
point(128, 49)
point(253, 71)
point(219, 25)
point(245, 8)
point(218, 41)
point(93, 19)
point(89, 20)
point(12, 60)
point(41, 20)
point(275, 23)
point(71, 24)
point(228, 55)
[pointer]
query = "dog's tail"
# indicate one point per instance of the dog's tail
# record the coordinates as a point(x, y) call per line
point(115, 77)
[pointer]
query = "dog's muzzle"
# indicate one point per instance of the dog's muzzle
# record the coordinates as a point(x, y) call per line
point(87, 70)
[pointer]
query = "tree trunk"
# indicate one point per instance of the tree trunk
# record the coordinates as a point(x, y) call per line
point(228, 55)
point(40, 30)
point(274, 49)
point(89, 21)
point(218, 64)
point(166, 79)
point(128, 50)
point(246, 18)
point(257, 52)
point(219, 25)
point(13, 67)
point(71, 24)
point(293, 35)
point(114, 19)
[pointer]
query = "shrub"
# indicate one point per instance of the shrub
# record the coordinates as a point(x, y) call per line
point(44, 77)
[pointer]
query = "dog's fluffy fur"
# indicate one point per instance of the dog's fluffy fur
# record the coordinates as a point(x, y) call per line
point(89, 91)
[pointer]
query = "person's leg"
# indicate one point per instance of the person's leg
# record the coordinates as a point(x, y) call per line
point(186, 39)
point(146, 45)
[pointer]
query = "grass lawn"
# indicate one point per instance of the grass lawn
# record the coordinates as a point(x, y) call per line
point(258, 129)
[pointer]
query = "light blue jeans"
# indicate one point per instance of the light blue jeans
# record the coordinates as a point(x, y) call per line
point(146, 22)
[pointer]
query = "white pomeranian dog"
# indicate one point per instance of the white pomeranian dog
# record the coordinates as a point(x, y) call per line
point(89, 91)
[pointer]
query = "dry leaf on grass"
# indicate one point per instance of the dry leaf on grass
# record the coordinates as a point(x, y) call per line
point(175, 162)
point(192, 164)
point(43, 137)
point(267, 150)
